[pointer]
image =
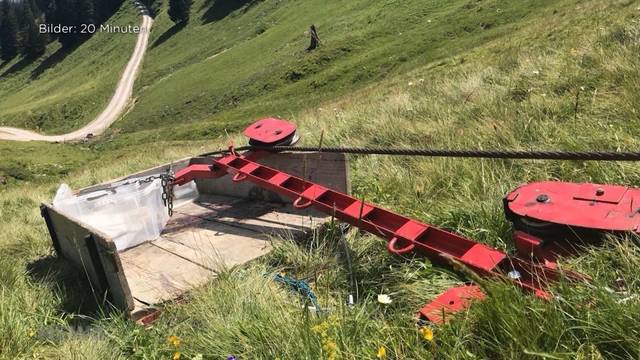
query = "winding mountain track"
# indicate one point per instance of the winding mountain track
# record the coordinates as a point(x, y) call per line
point(116, 106)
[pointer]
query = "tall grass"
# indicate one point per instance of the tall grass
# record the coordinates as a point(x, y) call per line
point(518, 92)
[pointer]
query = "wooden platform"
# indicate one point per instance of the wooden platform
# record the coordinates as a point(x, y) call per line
point(207, 236)
point(229, 224)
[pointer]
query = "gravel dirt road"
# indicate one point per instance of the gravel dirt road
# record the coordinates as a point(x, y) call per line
point(116, 106)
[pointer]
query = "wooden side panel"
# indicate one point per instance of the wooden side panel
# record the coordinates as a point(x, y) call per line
point(72, 237)
point(118, 285)
point(327, 169)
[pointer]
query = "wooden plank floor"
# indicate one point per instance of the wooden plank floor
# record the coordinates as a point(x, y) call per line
point(204, 237)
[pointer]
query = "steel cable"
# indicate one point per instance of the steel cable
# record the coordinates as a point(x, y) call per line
point(488, 154)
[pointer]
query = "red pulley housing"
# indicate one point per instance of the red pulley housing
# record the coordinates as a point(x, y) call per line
point(271, 132)
point(552, 216)
point(591, 206)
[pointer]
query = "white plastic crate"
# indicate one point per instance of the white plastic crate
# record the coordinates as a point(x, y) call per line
point(129, 213)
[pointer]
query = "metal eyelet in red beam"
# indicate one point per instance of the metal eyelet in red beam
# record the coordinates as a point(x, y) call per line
point(302, 203)
point(239, 177)
point(391, 246)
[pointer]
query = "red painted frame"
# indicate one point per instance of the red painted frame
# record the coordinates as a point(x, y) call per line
point(404, 235)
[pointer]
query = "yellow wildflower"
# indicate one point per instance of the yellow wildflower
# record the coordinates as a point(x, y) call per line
point(427, 333)
point(321, 329)
point(174, 340)
point(328, 345)
point(382, 352)
point(176, 355)
point(31, 333)
point(331, 348)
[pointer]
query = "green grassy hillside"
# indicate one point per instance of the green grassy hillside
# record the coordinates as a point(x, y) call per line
point(564, 76)
point(64, 89)
point(242, 63)
point(242, 59)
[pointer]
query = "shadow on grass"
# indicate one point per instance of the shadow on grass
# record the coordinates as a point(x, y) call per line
point(54, 59)
point(168, 34)
point(4, 63)
point(71, 286)
point(219, 9)
point(23, 63)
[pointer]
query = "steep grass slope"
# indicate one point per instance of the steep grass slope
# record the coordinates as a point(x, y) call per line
point(65, 89)
point(243, 59)
point(566, 78)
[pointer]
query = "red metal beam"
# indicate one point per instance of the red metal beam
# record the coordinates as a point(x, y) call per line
point(404, 235)
point(208, 171)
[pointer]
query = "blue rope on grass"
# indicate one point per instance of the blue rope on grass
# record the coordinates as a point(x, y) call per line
point(300, 286)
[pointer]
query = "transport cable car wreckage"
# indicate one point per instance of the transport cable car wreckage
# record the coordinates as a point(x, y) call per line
point(550, 219)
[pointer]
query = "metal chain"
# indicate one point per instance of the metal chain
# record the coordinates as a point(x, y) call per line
point(166, 181)
point(148, 179)
point(167, 191)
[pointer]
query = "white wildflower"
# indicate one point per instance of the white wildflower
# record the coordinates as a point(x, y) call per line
point(384, 299)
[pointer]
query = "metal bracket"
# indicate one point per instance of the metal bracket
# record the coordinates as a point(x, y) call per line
point(96, 260)
point(452, 301)
point(44, 212)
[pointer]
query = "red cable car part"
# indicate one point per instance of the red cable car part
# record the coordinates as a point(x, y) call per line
point(267, 132)
point(590, 206)
point(405, 235)
point(206, 171)
point(449, 302)
point(270, 131)
point(558, 216)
